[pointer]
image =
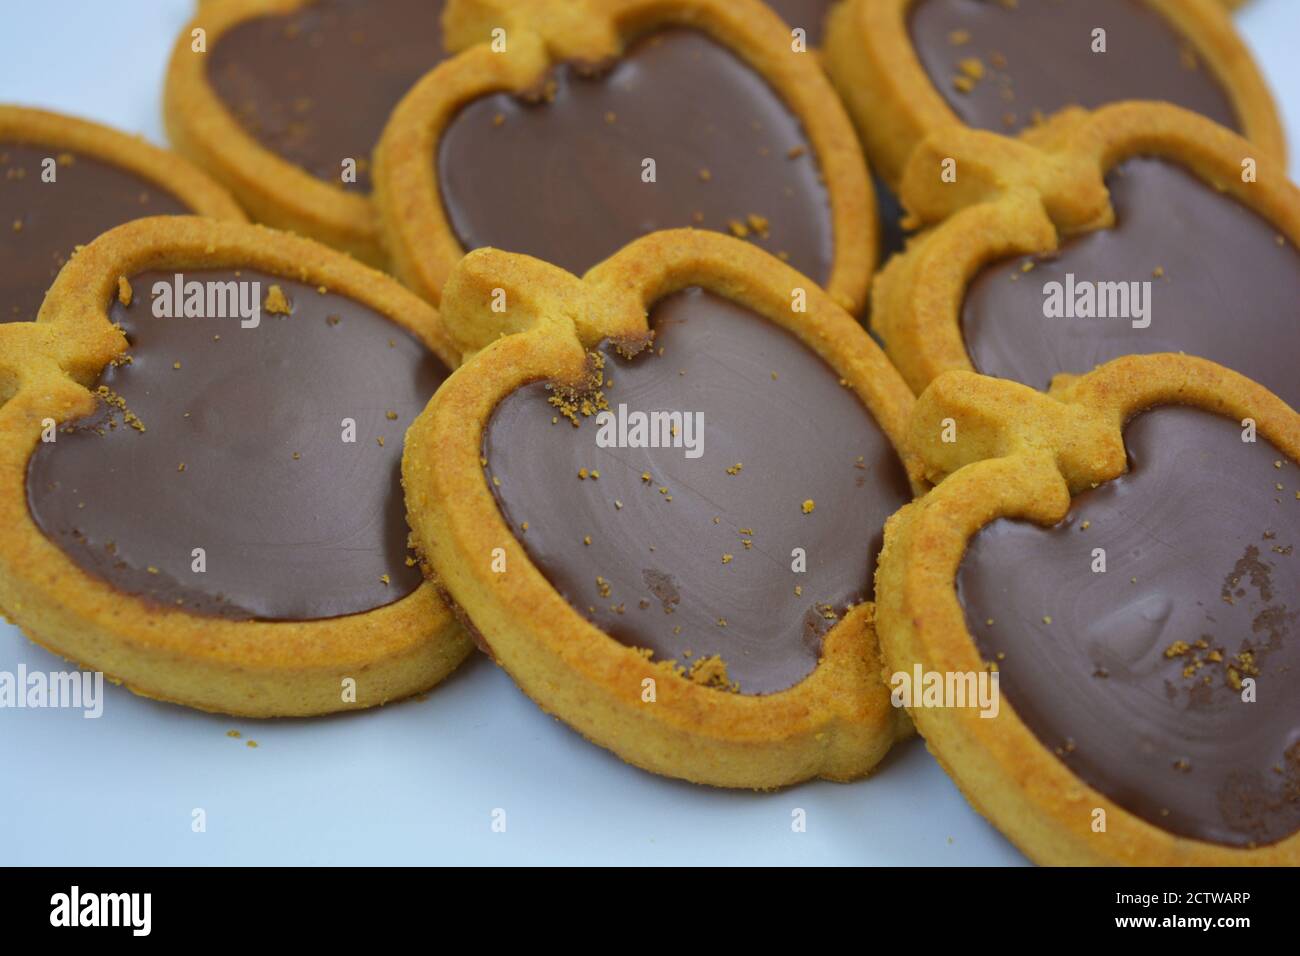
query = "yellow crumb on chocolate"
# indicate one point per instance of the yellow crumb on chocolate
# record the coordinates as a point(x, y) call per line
point(277, 303)
point(124, 292)
point(113, 400)
point(726, 558)
point(972, 67)
point(963, 83)
point(738, 228)
point(808, 506)
point(735, 469)
point(712, 672)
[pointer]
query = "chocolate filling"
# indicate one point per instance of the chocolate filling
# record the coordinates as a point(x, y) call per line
point(1135, 676)
point(316, 86)
point(1002, 66)
point(1223, 285)
point(692, 557)
point(560, 174)
point(234, 440)
point(41, 222)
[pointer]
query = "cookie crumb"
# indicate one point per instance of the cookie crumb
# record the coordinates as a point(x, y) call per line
point(276, 301)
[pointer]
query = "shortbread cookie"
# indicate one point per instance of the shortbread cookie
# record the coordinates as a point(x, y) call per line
point(657, 492)
point(1136, 228)
point(199, 443)
point(284, 100)
point(63, 181)
point(907, 68)
point(566, 128)
point(1120, 556)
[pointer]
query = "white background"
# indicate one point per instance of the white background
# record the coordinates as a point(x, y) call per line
point(416, 782)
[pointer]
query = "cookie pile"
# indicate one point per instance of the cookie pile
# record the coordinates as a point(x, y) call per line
point(551, 337)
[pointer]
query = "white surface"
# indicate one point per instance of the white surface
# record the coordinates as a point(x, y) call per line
point(417, 782)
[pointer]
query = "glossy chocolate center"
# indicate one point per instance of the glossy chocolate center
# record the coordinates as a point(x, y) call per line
point(1003, 66)
point(275, 449)
point(561, 174)
point(692, 557)
point(316, 86)
point(1215, 280)
point(810, 15)
point(1135, 676)
point(42, 219)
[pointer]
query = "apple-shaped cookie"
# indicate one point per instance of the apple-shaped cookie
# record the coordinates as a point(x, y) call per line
point(1137, 228)
point(564, 129)
point(909, 68)
point(63, 181)
point(199, 445)
point(1117, 559)
point(656, 495)
point(283, 102)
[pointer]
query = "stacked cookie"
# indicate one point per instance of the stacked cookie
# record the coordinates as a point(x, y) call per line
point(649, 456)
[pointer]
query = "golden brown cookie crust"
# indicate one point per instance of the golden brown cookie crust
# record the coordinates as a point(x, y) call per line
point(836, 723)
point(541, 33)
point(248, 668)
point(1020, 453)
point(272, 189)
point(1024, 196)
point(171, 172)
point(869, 55)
